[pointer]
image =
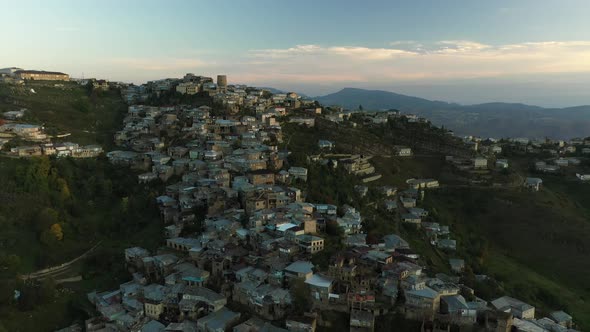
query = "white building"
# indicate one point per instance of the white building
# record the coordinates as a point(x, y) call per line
point(502, 163)
point(188, 88)
point(403, 151)
point(298, 173)
point(324, 144)
point(480, 163)
point(533, 183)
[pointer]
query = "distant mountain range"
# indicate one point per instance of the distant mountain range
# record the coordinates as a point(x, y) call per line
point(486, 120)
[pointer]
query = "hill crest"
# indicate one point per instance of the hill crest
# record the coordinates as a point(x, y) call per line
point(495, 119)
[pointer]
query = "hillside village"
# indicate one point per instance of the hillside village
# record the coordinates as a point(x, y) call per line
point(39, 142)
point(248, 245)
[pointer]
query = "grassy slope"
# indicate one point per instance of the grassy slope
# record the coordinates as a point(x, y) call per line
point(69, 109)
point(537, 242)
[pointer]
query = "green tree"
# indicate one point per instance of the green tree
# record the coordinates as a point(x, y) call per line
point(63, 189)
point(7, 288)
point(56, 230)
point(107, 188)
point(28, 297)
point(36, 177)
point(47, 238)
point(9, 263)
point(46, 218)
point(81, 105)
point(46, 290)
point(301, 296)
point(333, 229)
point(89, 87)
point(124, 205)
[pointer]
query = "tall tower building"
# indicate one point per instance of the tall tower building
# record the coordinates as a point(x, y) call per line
point(222, 82)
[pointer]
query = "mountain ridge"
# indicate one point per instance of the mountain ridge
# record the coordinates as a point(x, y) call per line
point(491, 103)
point(493, 119)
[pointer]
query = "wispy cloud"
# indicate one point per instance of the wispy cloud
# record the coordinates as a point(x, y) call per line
point(397, 63)
point(357, 52)
point(460, 47)
point(409, 60)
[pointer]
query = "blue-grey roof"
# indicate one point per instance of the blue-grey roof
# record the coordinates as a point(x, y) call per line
point(455, 302)
point(533, 181)
point(395, 241)
point(506, 302)
point(219, 320)
point(153, 326)
point(560, 316)
point(456, 262)
point(425, 292)
point(300, 267)
point(154, 292)
point(319, 281)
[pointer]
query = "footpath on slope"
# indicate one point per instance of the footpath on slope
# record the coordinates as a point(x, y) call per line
point(58, 269)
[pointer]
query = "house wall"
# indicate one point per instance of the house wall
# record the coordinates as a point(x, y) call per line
point(421, 302)
point(44, 77)
point(527, 314)
point(153, 310)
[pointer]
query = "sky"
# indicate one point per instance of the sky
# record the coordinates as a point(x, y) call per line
point(465, 51)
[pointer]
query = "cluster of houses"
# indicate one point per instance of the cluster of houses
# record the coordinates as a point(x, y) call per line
point(554, 165)
point(38, 143)
point(406, 206)
point(484, 151)
point(557, 157)
point(233, 266)
point(478, 163)
point(44, 147)
point(557, 148)
point(65, 149)
point(566, 157)
point(383, 117)
point(258, 236)
point(24, 131)
point(483, 146)
point(568, 165)
point(552, 147)
point(231, 97)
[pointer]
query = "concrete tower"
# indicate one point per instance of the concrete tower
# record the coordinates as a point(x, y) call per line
point(222, 82)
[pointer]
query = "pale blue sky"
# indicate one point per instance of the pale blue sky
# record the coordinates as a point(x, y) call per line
point(463, 50)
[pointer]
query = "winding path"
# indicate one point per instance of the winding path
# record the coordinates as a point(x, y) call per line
point(58, 269)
